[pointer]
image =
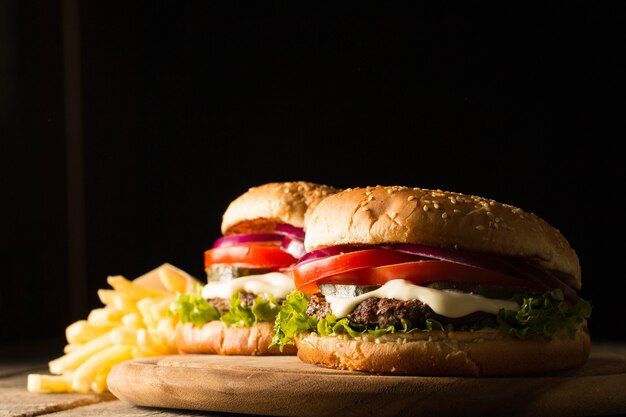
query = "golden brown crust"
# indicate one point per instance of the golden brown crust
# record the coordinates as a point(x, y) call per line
point(376, 215)
point(260, 208)
point(439, 354)
point(215, 337)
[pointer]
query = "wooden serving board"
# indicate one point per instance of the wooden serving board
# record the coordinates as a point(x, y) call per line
point(284, 386)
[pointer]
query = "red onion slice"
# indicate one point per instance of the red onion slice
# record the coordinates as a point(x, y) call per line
point(289, 230)
point(516, 267)
point(460, 257)
point(293, 246)
point(332, 251)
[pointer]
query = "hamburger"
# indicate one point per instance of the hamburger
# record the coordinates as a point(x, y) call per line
point(248, 272)
point(413, 281)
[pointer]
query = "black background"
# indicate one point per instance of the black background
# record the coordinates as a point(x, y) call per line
point(186, 105)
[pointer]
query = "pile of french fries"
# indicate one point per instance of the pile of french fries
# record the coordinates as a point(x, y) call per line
point(133, 323)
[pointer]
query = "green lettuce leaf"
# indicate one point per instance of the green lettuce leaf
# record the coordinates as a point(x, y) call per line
point(539, 317)
point(291, 320)
point(543, 316)
point(240, 315)
point(191, 307)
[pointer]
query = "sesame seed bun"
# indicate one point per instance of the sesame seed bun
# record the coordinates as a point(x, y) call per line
point(261, 208)
point(379, 215)
point(472, 354)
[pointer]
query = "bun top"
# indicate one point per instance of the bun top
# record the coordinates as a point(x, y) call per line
point(261, 208)
point(393, 214)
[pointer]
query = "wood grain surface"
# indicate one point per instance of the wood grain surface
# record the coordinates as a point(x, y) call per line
point(284, 386)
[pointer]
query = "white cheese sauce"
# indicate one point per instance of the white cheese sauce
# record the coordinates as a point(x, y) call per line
point(448, 303)
point(275, 283)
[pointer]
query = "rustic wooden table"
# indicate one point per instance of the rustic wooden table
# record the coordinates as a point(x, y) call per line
point(16, 362)
point(19, 360)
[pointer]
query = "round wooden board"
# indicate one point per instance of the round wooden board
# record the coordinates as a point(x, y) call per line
point(284, 386)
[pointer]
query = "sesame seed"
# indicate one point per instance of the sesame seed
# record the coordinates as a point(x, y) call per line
point(456, 210)
point(425, 207)
point(393, 215)
point(444, 215)
point(411, 198)
point(453, 200)
point(436, 205)
point(480, 227)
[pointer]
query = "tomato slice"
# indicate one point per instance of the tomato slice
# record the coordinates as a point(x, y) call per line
point(315, 269)
point(256, 255)
point(349, 271)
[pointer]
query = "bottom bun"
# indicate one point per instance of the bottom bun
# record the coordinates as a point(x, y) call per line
point(482, 353)
point(216, 337)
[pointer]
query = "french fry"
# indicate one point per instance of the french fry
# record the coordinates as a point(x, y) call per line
point(145, 344)
point(124, 303)
point(166, 277)
point(163, 345)
point(106, 296)
point(125, 286)
point(49, 383)
point(75, 358)
point(151, 343)
point(99, 383)
point(159, 308)
point(132, 320)
point(82, 331)
point(105, 317)
point(138, 353)
point(153, 309)
point(121, 300)
point(124, 335)
point(134, 323)
point(98, 363)
point(166, 328)
point(71, 347)
point(144, 310)
point(173, 279)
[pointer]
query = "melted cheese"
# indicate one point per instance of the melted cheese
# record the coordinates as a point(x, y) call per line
point(275, 283)
point(447, 303)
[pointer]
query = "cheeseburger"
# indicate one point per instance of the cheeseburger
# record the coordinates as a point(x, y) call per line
point(412, 281)
point(248, 272)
